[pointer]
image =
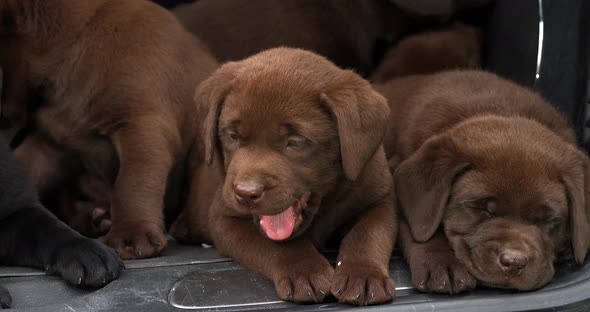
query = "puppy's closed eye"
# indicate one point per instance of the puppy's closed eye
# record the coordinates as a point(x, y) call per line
point(230, 135)
point(484, 206)
point(554, 222)
point(551, 218)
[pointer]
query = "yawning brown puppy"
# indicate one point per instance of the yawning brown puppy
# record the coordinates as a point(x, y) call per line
point(296, 142)
point(489, 180)
point(108, 85)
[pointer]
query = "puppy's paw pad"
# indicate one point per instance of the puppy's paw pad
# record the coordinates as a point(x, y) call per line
point(308, 284)
point(362, 285)
point(137, 242)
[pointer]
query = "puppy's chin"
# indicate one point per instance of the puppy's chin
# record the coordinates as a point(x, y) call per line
point(481, 260)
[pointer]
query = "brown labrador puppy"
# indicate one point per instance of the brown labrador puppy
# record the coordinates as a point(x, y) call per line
point(489, 179)
point(294, 147)
point(107, 84)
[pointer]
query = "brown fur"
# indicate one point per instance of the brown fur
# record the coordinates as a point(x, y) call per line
point(486, 172)
point(457, 46)
point(293, 123)
point(343, 31)
point(113, 82)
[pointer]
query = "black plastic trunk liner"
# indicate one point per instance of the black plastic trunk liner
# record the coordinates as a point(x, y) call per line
point(197, 278)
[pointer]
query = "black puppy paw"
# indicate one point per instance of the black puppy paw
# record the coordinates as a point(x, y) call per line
point(5, 299)
point(85, 262)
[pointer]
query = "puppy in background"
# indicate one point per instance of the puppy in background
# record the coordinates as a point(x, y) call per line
point(453, 47)
point(294, 154)
point(107, 85)
point(349, 33)
point(346, 32)
point(489, 180)
point(31, 236)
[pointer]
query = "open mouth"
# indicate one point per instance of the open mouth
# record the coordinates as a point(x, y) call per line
point(282, 226)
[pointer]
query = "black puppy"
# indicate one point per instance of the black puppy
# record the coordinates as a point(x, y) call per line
point(30, 235)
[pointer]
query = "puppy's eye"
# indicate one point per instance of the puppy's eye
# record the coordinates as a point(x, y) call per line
point(483, 205)
point(554, 222)
point(296, 142)
point(233, 136)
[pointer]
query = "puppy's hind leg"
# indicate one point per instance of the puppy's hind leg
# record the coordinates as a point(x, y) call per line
point(433, 264)
point(362, 271)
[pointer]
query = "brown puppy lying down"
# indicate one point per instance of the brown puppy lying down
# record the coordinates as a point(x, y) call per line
point(107, 84)
point(343, 31)
point(489, 179)
point(294, 145)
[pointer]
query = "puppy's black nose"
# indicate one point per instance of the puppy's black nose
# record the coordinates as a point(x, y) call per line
point(513, 260)
point(248, 193)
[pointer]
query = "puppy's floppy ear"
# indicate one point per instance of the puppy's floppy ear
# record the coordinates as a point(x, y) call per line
point(361, 117)
point(577, 182)
point(423, 183)
point(209, 97)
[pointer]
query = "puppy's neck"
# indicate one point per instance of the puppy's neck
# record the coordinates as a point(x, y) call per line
point(42, 23)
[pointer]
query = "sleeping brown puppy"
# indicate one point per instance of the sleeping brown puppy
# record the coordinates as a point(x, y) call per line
point(107, 84)
point(296, 146)
point(489, 180)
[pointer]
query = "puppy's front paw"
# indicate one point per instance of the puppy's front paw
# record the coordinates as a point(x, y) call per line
point(306, 281)
point(136, 241)
point(86, 262)
point(439, 271)
point(5, 299)
point(362, 284)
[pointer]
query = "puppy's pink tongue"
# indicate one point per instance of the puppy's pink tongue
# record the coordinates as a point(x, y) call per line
point(279, 227)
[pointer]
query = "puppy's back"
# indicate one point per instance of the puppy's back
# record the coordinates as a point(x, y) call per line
point(424, 105)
